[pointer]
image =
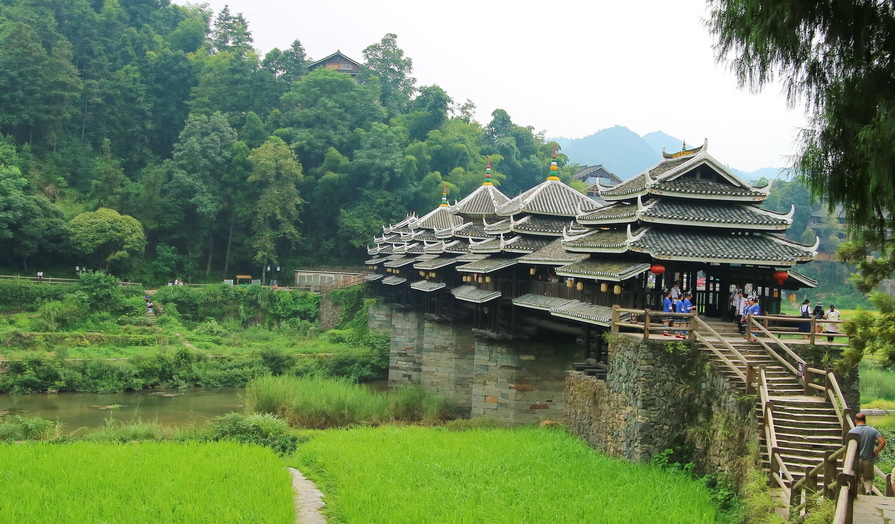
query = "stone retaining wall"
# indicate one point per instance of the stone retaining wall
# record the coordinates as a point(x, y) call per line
point(660, 396)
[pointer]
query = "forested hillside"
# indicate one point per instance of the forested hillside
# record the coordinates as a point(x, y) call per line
point(152, 140)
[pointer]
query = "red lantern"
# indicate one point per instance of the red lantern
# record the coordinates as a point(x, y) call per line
point(780, 276)
point(657, 269)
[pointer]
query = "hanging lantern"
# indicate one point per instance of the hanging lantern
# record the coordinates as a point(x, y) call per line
point(604, 287)
point(488, 279)
point(432, 274)
point(388, 270)
point(617, 289)
point(532, 271)
point(792, 297)
point(776, 293)
point(422, 274)
point(569, 283)
point(780, 276)
point(579, 286)
point(657, 269)
point(397, 271)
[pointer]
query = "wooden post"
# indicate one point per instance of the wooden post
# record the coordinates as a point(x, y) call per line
point(829, 475)
point(647, 316)
point(889, 492)
point(691, 325)
point(615, 319)
point(775, 465)
point(845, 429)
point(808, 378)
point(751, 374)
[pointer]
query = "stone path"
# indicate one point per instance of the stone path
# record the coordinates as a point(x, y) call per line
point(874, 510)
point(308, 500)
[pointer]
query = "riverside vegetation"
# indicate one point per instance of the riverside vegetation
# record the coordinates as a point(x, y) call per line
point(62, 338)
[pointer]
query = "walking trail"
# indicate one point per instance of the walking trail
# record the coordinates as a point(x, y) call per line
point(308, 500)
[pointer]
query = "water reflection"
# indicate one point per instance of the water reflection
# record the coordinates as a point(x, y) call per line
point(175, 407)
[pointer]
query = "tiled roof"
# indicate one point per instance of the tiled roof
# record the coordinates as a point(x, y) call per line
point(541, 225)
point(377, 260)
point(552, 253)
point(496, 228)
point(393, 280)
point(371, 277)
point(576, 310)
point(456, 246)
point(423, 235)
point(426, 286)
point(525, 244)
point(802, 279)
point(400, 262)
point(599, 240)
point(471, 257)
point(487, 265)
point(541, 302)
point(614, 213)
point(603, 269)
point(438, 218)
point(491, 245)
point(690, 186)
point(482, 201)
point(550, 197)
point(435, 263)
point(465, 230)
point(720, 246)
point(688, 212)
point(474, 294)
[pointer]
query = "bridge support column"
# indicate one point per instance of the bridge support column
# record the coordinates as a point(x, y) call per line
point(405, 352)
point(448, 354)
point(521, 382)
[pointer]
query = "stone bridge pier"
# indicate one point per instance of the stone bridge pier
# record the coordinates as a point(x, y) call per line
point(516, 381)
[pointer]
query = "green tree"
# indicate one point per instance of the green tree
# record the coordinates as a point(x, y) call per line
point(276, 171)
point(836, 57)
point(386, 61)
point(107, 238)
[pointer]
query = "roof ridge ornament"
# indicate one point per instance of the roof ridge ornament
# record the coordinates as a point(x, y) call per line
point(487, 181)
point(553, 167)
point(568, 236)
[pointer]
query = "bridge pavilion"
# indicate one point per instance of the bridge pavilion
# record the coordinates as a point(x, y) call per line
point(554, 259)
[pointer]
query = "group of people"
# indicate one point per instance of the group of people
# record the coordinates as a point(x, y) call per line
point(676, 301)
point(150, 305)
point(818, 314)
point(742, 308)
point(177, 282)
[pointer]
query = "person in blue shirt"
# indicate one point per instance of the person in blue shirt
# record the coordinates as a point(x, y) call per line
point(686, 305)
point(753, 309)
point(667, 307)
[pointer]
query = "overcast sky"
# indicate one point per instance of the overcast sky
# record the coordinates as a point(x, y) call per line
point(569, 68)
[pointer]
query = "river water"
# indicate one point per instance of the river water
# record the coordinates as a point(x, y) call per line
point(91, 410)
point(174, 407)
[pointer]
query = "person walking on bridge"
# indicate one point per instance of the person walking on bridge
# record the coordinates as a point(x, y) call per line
point(870, 443)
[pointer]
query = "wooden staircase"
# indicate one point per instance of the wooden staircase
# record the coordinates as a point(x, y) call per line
point(805, 428)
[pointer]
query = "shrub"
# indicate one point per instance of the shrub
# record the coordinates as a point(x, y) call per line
point(18, 427)
point(258, 428)
point(71, 311)
point(103, 291)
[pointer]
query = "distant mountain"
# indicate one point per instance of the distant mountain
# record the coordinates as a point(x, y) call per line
point(626, 153)
point(619, 149)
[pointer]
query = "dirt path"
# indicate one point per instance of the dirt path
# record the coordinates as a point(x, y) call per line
point(308, 500)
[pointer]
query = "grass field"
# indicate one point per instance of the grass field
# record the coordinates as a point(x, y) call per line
point(490, 475)
point(144, 482)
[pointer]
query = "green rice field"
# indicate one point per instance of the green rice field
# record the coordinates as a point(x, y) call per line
point(145, 482)
point(421, 475)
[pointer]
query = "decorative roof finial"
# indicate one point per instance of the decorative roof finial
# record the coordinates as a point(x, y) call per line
point(444, 195)
point(488, 174)
point(684, 147)
point(553, 168)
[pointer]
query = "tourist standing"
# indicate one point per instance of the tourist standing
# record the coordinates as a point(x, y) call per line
point(667, 308)
point(870, 443)
point(686, 306)
point(741, 312)
point(733, 311)
point(818, 315)
point(676, 290)
point(832, 327)
point(40, 276)
point(805, 312)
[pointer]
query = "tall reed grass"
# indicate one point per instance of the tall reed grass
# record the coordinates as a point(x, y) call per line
point(876, 383)
point(421, 475)
point(146, 482)
point(316, 402)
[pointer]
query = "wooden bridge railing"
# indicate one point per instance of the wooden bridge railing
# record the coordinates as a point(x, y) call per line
point(839, 482)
